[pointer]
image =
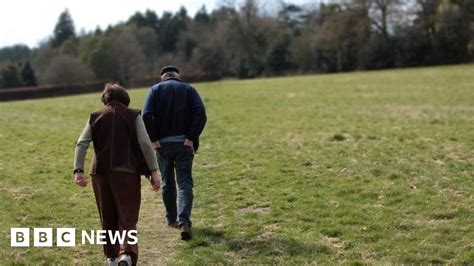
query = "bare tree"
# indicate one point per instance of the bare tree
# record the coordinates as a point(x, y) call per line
point(65, 69)
point(251, 32)
point(126, 53)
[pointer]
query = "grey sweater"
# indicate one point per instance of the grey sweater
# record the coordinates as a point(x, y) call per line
point(142, 137)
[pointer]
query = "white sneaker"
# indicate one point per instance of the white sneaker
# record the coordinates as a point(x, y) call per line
point(111, 262)
point(125, 260)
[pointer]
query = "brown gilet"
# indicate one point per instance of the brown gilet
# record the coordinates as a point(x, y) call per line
point(115, 140)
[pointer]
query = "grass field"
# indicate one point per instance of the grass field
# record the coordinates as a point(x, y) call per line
point(369, 167)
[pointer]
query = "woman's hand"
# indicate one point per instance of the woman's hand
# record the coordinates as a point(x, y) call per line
point(80, 179)
point(156, 145)
point(155, 180)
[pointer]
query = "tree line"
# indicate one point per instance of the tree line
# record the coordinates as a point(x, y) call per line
point(248, 40)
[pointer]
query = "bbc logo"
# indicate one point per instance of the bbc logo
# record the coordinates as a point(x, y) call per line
point(42, 237)
point(66, 237)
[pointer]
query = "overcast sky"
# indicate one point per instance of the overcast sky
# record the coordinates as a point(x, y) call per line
point(32, 21)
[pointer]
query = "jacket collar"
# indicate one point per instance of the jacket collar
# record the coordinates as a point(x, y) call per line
point(177, 79)
point(115, 103)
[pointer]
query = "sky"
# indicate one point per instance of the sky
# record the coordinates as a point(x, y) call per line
point(32, 21)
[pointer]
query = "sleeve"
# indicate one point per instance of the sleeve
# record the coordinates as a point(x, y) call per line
point(81, 147)
point(198, 120)
point(145, 145)
point(148, 115)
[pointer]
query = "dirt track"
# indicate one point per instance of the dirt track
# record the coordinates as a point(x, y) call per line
point(156, 239)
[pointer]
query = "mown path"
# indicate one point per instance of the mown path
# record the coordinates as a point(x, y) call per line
point(156, 240)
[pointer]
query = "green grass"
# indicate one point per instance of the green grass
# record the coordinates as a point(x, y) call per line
point(369, 167)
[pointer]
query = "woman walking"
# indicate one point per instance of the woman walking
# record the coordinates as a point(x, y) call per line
point(122, 152)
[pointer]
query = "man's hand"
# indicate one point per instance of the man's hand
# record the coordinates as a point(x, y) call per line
point(188, 143)
point(155, 180)
point(80, 179)
point(155, 145)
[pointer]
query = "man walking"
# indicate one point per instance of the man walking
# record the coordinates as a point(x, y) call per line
point(174, 117)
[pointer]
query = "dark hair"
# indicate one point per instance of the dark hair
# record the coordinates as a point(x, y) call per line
point(115, 92)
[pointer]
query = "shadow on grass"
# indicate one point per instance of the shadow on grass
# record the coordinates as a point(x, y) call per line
point(261, 245)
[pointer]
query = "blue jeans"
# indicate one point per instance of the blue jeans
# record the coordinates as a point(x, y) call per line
point(175, 157)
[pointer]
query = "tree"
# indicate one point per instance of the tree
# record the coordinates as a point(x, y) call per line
point(291, 17)
point(151, 19)
point(138, 19)
point(9, 77)
point(64, 29)
point(211, 58)
point(148, 41)
point(243, 39)
point(69, 47)
point(467, 7)
point(98, 31)
point(65, 69)
point(341, 38)
point(278, 56)
point(445, 27)
point(128, 58)
point(99, 58)
point(186, 44)
point(303, 51)
point(119, 55)
point(379, 52)
point(202, 16)
point(28, 75)
point(382, 12)
point(15, 53)
point(251, 33)
point(427, 17)
point(169, 29)
point(87, 45)
point(413, 47)
point(453, 35)
point(42, 58)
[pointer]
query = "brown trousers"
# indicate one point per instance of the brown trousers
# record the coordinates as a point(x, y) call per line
point(118, 198)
